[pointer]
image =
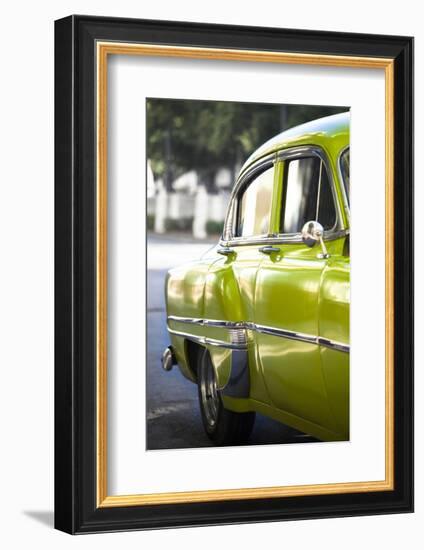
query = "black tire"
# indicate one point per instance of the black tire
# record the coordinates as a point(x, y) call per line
point(222, 426)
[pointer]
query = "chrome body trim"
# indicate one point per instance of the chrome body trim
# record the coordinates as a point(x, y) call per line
point(225, 251)
point(269, 249)
point(209, 341)
point(188, 320)
point(238, 383)
point(208, 322)
point(332, 344)
point(289, 334)
point(238, 343)
point(168, 359)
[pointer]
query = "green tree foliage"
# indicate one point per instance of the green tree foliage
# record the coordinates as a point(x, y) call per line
point(204, 136)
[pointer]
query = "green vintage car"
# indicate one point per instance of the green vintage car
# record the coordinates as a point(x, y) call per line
point(261, 322)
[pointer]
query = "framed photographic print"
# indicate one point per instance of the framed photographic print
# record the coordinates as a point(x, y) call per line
point(234, 320)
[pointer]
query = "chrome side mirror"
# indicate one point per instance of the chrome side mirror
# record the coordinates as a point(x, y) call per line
point(312, 232)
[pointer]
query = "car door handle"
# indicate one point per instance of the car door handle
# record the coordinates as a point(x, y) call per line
point(269, 249)
point(225, 251)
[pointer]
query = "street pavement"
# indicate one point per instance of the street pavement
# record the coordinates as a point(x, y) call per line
point(173, 415)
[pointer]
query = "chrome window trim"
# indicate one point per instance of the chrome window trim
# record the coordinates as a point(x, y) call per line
point(305, 151)
point(264, 329)
point(281, 155)
point(245, 182)
point(281, 239)
point(342, 182)
point(259, 165)
point(230, 219)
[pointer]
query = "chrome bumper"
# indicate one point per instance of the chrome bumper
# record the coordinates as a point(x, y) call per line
point(168, 359)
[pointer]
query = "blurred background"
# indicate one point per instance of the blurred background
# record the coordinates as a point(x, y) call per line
point(195, 150)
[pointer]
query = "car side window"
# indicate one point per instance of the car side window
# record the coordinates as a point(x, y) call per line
point(254, 206)
point(344, 167)
point(307, 195)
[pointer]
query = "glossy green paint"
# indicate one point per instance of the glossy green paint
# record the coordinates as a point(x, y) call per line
point(302, 384)
point(293, 290)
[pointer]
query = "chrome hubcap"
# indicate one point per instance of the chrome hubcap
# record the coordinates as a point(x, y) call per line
point(209, 392)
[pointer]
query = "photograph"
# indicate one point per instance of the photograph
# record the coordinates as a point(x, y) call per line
point(248, 273)
point(218, 357)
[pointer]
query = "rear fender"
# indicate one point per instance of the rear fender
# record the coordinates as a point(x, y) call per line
point(184, 294)
point(222, 302)
point(208, 290)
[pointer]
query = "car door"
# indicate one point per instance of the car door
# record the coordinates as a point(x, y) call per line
point(287, 295)
point(232, 280)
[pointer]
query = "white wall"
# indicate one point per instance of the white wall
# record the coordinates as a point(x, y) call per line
point(26, 274)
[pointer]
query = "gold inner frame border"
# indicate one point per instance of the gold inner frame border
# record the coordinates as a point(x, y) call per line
point(103, 50)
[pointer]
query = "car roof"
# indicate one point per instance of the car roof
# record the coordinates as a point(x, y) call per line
point(331, 133)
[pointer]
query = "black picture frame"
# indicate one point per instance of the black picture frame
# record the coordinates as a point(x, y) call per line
point(76, 508)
